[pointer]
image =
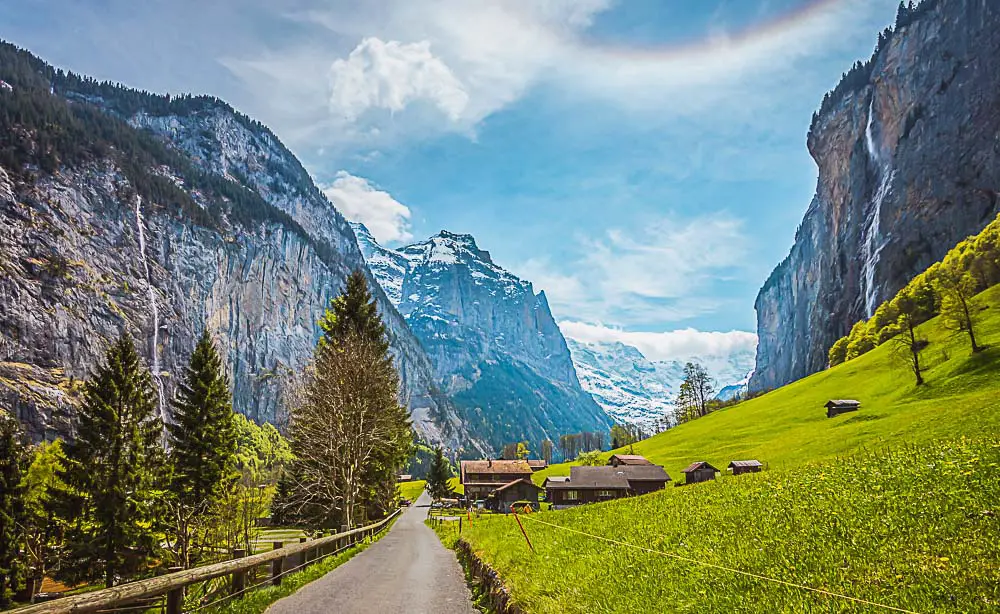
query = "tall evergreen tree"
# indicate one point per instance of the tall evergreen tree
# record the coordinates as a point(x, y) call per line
point(350, 436)
point(13, 463)
point(438, 476)
point(203, 448)
point(113, 472)
point(202, 437)
point(355, 311)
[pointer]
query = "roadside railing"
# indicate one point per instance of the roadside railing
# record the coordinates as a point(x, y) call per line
point(137, 595)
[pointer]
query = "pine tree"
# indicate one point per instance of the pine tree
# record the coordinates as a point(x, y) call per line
point(438, 476)
point(13, 463)
point(203, 447)
point(354, 311)
point(202, 437)
point(113, 471)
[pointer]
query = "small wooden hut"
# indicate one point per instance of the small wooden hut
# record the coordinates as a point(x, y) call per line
point(700, 471)
point(627, 459)
point(836, 407)
point(745, 466)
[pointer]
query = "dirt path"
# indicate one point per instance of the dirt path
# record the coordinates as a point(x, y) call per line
point(408, 570)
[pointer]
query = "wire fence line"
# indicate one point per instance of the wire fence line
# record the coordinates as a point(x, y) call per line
point(741, 572)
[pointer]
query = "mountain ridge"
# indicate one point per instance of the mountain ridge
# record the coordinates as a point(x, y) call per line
point(493, 341)
point(160, 215)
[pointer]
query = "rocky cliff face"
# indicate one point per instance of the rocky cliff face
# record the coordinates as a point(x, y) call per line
point(908, 150)
point(493, 342)
point(256, 258)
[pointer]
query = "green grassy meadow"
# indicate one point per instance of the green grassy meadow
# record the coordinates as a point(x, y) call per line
point(897, 504)
point(789, 427)
point(411, 490)
point(916, 528)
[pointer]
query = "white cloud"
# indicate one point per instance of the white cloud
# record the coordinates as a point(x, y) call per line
point(391, 75)
point(470, 58)
point(386, 218)
point(663, 272)
point(684, 344)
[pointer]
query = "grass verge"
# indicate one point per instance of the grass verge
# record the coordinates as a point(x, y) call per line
point(915, 527)
point(258, 600)
point(411, 490)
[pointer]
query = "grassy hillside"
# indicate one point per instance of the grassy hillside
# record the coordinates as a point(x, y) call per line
point(896, 504)
point(789, 427)
point(916, 529)
point(411, 490)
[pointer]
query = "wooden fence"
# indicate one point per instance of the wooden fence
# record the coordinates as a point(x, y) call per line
point(281, 560)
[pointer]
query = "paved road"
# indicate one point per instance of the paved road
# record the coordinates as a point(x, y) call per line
point(408, 571)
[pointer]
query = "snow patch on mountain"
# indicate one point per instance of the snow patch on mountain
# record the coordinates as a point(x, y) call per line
point(635, 390)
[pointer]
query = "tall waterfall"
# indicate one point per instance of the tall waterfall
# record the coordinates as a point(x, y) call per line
point(155, 358)
point(872, 244)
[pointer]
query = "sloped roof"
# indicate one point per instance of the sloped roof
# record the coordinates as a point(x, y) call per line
point(556, 479)
point(631, 459)
point(843, 403)
point(596, 477)
point(495, 466)
point(644, 473)
point(746, 463)
point(698, 465)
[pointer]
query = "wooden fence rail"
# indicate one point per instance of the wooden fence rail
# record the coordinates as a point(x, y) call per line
point(172, 584)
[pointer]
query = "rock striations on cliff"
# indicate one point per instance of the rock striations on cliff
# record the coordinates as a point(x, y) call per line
point(159, 216)
point(494, 344)
point(908, 150)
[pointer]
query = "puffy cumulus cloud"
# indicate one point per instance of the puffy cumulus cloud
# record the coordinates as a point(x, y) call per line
point(679, 345)
point(384, 216)
point(391, 75)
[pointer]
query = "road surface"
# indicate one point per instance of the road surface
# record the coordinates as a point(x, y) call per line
point(407, 570)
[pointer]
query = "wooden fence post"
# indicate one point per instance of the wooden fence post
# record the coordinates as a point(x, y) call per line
point(240, 576)
point(276, 565)
point(303, 558)
point(175, 596)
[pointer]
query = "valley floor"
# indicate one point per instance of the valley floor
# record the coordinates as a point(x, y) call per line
point(895, 507)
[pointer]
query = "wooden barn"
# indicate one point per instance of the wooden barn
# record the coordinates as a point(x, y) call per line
point(592, 484)
point(700, 471)
point(523, 489)
point(537, 465)
point(481, 477)
point(627, 459)
point(836, 407)
point(745, 466)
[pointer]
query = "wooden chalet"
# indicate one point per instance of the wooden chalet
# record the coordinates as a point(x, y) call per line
point(745, 466)
point(836, 407)
point(537, 465)
point(700, 471)
point(523, 489)
point(482, 477)
point(593, 484)
point(627, 459)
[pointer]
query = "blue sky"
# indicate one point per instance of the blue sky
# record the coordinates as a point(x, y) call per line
point(643, 161)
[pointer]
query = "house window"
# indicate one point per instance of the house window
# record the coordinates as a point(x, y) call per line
point(571, 495)
point(605, 493)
